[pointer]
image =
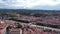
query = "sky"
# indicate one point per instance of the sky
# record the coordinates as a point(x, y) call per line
point(30, 4)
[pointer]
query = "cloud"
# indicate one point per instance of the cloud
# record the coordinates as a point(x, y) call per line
point(47, 7)
point(29, 4)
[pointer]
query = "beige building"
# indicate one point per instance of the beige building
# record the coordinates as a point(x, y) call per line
point(15, 31)
point(3, 28)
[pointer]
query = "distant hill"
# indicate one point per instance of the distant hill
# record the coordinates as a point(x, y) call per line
point(27, 10)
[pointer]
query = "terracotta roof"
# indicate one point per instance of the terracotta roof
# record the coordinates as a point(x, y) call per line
point(14, 30)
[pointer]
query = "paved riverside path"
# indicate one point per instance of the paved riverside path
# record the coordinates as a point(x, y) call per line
point(44, 27)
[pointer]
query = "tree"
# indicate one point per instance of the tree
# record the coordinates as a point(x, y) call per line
point(19, 26)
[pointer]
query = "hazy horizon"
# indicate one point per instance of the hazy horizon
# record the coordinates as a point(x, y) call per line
point(30, 4)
